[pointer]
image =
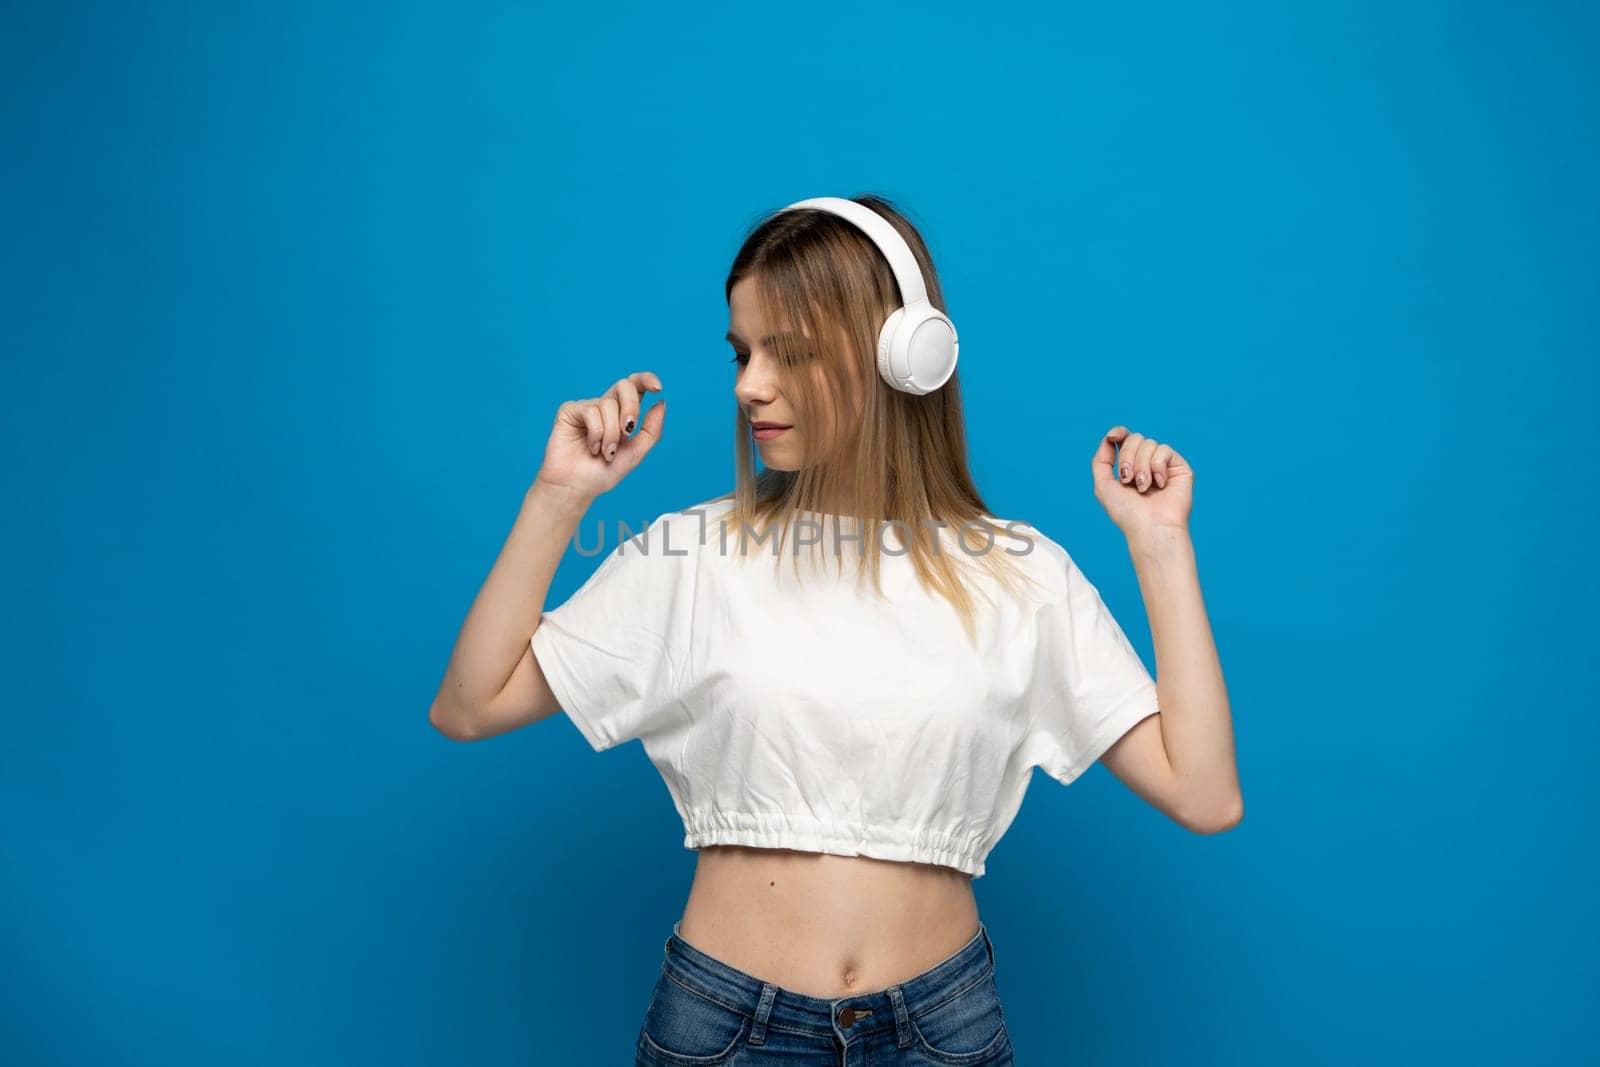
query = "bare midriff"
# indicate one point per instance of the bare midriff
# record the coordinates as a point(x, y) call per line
point(825, 925)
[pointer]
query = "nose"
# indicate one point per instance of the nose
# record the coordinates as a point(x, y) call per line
point(757, 382)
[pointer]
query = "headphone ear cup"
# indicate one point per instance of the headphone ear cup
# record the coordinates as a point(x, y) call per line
point(917, 349)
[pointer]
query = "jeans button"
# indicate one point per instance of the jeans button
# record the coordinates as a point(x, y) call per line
point(847, 1016)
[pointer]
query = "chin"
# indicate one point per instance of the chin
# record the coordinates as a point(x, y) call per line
point(777, 459)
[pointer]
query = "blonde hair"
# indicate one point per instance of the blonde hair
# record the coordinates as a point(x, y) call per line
point(823, 280)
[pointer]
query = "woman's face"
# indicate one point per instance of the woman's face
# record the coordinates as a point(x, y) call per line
point(758, 384)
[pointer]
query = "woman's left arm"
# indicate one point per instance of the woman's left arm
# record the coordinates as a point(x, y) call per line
point(1183, 759)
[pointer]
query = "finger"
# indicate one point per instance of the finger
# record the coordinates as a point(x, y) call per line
point(640, 444)
point(1130, 446)
point(1158, 464)
point(627, 403)
point(593, 426)
point(645, 381)
point(1141, 463)
point(1100, 464)
point(633, 449)
point(613, 426)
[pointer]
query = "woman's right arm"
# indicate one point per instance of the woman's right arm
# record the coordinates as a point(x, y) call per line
point(493, 683)
point(476, 698)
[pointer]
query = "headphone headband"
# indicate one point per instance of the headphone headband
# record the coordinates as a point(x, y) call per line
point(894, 248)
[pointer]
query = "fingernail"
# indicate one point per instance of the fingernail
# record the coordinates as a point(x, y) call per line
point(628, 428)
point(611, 451)
point(1124, 472)
point(1141, 479)
point(594, 448)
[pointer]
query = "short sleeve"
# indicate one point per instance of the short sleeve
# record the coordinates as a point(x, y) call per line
point(1088, 686)
point(612, 652)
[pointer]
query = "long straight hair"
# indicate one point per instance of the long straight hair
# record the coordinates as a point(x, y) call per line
point(824, 290)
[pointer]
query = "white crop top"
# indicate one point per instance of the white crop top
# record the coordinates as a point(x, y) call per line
point(820, 718)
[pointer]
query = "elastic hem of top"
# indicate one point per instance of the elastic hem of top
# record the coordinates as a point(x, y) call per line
point(699, 834)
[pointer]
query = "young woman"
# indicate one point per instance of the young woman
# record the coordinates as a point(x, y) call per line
point(845, 669)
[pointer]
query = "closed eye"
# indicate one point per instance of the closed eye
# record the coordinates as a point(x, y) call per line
point(800, 355)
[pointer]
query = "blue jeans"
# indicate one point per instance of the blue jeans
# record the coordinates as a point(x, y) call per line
point(705, 1013)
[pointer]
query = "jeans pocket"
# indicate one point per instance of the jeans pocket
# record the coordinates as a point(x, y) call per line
point(965, 1030)
point(685, 1028)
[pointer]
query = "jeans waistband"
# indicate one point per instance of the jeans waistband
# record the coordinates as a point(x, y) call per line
point(884, 1010)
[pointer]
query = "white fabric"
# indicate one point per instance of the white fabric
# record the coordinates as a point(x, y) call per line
point(813, 716)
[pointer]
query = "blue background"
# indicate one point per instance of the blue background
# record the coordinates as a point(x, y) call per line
point(292, 292)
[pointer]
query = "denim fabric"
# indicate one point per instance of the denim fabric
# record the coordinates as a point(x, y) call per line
point(705, 1013)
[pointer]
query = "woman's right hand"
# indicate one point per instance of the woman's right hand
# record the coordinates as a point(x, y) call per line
point(589, 450)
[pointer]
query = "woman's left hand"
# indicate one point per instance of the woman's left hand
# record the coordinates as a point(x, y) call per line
point(1149, 485)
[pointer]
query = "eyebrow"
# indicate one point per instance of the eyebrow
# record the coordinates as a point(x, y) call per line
point(767, 340)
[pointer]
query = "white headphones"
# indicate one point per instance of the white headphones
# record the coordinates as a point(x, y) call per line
point(917, 345)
